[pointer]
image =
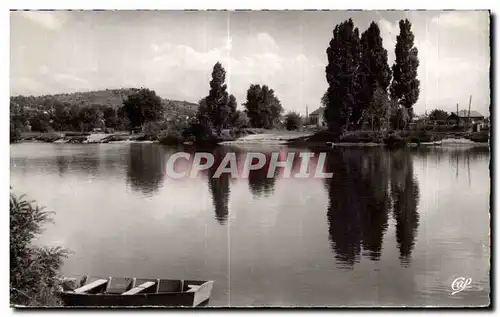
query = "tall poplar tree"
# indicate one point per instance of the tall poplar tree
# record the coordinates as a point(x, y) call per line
point(374, 77)
point(217, 99)
point(342, 77)
point(405, 88)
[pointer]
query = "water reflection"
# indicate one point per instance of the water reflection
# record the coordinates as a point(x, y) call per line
point(219, 188)
point(405, 196)
point(259, 184)
point(375, 210)
point(146, 168)
point(62, 164)
point(350, 205)
point(365, 185)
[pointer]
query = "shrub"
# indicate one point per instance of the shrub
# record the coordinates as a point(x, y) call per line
point(70, 133)
point(292, 121)
point(151, 131)
point(394, 140)
point(482, 136)
point(170, 137)
point(34, 271)
point(363, 137)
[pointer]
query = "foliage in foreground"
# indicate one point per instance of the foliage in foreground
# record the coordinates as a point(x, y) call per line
point(34, 271)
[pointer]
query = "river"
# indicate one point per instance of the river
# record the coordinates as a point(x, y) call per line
point(389, 227)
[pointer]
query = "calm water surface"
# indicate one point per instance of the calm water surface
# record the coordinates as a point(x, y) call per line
point(389, 228)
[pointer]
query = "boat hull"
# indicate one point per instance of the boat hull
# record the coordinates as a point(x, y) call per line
point(190, 294)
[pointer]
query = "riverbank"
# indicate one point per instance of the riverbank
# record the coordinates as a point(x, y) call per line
point(291, 138)
point(395, 139)
point(83, 138)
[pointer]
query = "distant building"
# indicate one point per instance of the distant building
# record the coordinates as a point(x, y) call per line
point(317, 117)
point(474, 120)
point(463, 116)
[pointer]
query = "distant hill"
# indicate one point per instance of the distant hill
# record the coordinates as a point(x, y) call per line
point(108, 97)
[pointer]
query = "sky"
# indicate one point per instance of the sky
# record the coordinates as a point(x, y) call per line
point(173, 52)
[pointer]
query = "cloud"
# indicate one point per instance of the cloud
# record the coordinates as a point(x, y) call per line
point(266, 42)
point(446, 43)
point(52, 20)
point(389, 32)
point(472, 20)
point(70, 80)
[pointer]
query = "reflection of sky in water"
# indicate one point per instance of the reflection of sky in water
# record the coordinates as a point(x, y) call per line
point(361, 238)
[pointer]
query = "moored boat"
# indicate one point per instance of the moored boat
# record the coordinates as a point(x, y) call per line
point(137, 292)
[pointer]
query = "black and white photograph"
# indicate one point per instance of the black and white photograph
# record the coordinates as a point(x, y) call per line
point(250, 158)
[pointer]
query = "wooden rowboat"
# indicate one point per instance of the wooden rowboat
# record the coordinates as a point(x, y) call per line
point(138, 292)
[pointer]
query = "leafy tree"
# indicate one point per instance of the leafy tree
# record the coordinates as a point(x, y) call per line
point(378, 111)
point(263, 108)
point(374, 77)
point(61, 115)
point(293, 121)
point(324, 99)
point(241, 120)
point(110, 117)
point(200, 127)
point(34, 277)
point(399, 116)
point(143, 106)
point(438, 114)
point(217, 100)
point(233, 114)
point(39, 121)
point(18, 118)
point(74, 118)
point(342, 77)
point(405, 88)
point(90, 118)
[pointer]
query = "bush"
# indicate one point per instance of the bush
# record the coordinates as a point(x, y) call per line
point(171, 137)
point(34, 271)
point(241, 120)
point(395, 140)
point(421, 136)
point(363, 137)
point(293, 121)
point(482, 136)
point(151, 131)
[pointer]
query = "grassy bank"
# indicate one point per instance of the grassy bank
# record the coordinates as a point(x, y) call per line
point(389, 139)
point(318, 138)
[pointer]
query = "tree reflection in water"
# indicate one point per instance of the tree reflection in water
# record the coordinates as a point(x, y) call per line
point(405, 196)
point(365, 184)
point(146, 168)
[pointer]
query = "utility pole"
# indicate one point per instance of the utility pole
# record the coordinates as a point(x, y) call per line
point(468, 115)
point(458, 118)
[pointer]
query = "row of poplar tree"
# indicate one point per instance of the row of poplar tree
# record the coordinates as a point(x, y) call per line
point(362, 88)
point(218, 111)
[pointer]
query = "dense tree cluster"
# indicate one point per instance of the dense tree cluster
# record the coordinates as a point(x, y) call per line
point(218, 110)
point(360, 90)
point(438, 114)
point(293, 121)
point(139, 109)
point(142, 107)
point(263, 107)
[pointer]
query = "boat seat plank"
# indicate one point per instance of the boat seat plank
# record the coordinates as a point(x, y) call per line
point(140, 288)
point(91, 286)
point(193, 288)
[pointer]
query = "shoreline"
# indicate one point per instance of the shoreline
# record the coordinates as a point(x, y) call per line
point(282, 143)
point(277, 138)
